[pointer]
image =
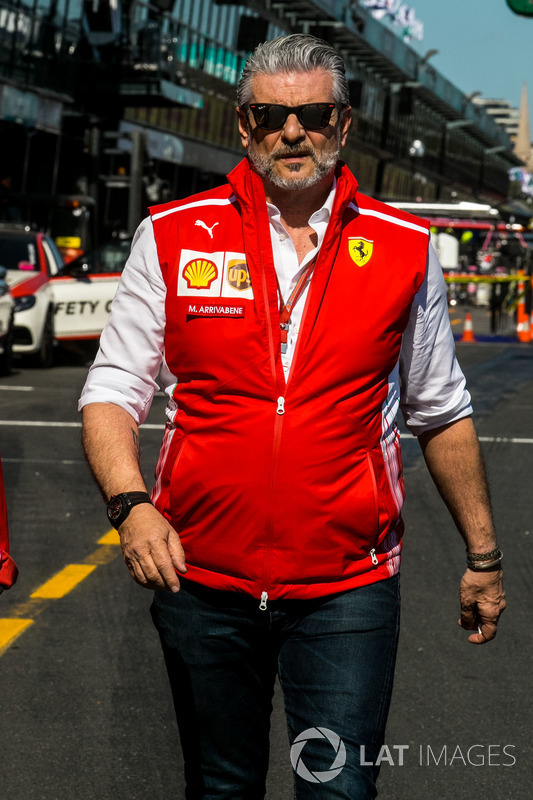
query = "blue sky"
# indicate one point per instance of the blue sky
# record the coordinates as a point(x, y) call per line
point(482, 45)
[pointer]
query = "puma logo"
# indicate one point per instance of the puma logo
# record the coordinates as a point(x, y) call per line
point(202, 224)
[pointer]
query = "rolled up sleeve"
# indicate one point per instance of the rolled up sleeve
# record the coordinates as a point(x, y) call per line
point(129, 360)
point(432, 385)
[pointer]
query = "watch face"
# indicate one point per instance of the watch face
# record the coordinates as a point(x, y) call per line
point(114, 508)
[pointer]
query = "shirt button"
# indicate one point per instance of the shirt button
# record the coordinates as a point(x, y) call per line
point(282, 237)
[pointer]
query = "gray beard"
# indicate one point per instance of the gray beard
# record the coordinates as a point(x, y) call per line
point(264, 165)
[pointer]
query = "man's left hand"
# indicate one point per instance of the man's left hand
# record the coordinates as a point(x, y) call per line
point(482, 602)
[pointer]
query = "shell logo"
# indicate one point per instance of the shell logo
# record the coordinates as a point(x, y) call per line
point(200, 273)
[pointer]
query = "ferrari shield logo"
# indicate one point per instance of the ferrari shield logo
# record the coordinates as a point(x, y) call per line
point(360, 250)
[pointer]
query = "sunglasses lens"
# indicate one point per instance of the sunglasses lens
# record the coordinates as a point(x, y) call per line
point(316, 116)
point(270, 117)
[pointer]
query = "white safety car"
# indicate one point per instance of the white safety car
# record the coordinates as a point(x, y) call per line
point(7, 324)
point(31, 258)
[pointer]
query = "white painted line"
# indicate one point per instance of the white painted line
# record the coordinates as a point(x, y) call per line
point(26, 423)
point(17, 388)
point(158, 427)
point(489, 439)
point(505, 439)
point(63, 461)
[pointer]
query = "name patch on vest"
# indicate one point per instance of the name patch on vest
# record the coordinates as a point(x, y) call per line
point(214, 309)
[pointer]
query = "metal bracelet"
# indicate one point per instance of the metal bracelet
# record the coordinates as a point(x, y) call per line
point(483, 565)
point(496, 553)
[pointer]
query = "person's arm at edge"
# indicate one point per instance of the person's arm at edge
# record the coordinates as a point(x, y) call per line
point(437, 409)
point(116, 398)
point(8, 568)
point(151, 547)
point(453, 456)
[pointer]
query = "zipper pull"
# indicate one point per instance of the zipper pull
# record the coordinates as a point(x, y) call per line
point(374, 557)
point(281, 406)
point(263, 603)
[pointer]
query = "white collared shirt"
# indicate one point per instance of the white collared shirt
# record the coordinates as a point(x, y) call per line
point(289, 270)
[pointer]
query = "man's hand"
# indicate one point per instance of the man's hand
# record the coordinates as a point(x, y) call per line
point(453, 456)
point(152, 549)
point(482, 602)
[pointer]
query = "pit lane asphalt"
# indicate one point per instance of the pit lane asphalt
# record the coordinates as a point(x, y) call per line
point(85, 709)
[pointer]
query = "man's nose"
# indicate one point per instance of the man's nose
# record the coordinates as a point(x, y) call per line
point(293, 129)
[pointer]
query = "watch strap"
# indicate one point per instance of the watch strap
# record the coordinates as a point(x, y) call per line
point(126, 501)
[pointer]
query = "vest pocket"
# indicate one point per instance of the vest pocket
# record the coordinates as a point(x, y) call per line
point(386, 512)
point(373, 479)
point(177, 480)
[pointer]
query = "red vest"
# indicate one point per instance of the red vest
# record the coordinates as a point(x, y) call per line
point(290, 489)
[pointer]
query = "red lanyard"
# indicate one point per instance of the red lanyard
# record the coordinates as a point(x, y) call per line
point(285, 309)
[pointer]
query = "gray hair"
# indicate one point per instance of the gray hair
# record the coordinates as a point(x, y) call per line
point(297, 52)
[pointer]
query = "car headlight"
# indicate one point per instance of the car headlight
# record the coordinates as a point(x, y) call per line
point(25, 302)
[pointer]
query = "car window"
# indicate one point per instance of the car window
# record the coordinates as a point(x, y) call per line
point(112, 259)
point(102, 261)
point(4, 287)
point(53, 258)
point(18, 253)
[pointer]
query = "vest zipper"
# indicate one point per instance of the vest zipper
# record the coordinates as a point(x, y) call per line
point(269, 325)
point(280, 411)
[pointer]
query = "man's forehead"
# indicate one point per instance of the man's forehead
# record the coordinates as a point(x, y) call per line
point(294, 87)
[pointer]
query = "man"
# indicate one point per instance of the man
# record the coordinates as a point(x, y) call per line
point(288, 308)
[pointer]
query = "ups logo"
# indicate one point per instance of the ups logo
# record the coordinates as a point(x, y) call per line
point(238, 275)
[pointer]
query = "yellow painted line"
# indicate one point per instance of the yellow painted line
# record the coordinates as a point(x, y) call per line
point(10, 629)
point(110, 538)
point(63, 583)
point(58, 586)
point(462, 278)
point(104, 554)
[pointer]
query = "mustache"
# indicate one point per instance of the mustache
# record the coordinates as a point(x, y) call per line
point(293, 152)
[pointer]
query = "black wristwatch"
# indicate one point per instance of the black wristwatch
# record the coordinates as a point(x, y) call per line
point(120, 506)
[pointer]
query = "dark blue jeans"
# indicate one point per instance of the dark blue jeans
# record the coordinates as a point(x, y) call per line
point(335, 659)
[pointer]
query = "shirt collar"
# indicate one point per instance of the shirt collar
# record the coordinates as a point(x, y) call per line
point(323, 213)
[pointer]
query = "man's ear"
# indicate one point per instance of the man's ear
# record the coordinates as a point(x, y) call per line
point(244, 127)
point(346, 121)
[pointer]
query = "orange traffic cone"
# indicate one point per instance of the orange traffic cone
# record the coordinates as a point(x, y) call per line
point(468, 330)
point(523, 330)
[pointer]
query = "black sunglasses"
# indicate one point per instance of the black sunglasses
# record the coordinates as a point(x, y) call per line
point(313, 116)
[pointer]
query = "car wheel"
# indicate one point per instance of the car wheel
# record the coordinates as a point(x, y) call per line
point(44, 357)
point(6, 358)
